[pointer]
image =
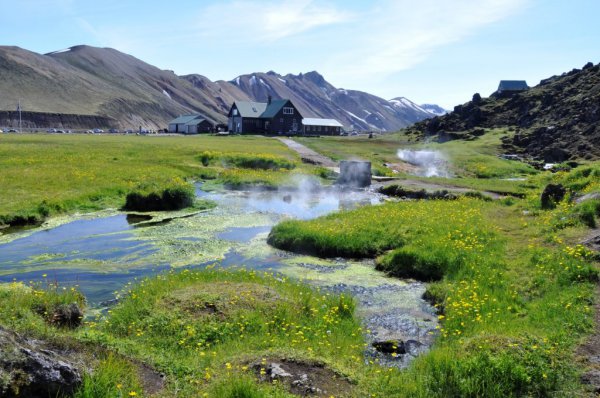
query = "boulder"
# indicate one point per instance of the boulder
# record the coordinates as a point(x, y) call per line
point(28, 369)
point(553, 193)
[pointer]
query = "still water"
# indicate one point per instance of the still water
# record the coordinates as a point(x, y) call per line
point(102, 252)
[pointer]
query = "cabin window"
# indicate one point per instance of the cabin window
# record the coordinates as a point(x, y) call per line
point(288, 111)
point(235, 112)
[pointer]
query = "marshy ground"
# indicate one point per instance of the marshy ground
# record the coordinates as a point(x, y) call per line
point(207, 308)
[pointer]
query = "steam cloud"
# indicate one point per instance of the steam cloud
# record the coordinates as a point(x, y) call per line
point(430, 163)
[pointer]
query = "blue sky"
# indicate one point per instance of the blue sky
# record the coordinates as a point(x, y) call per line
point(436, 51)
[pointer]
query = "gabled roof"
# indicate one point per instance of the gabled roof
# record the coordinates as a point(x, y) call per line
point(311, 121)
point(512, 85)
point(185, 119)
point(261, 109)
point(250, 109)
point(274, 107)
point(195, 122)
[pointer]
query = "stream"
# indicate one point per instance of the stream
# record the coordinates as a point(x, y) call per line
point(100, 253)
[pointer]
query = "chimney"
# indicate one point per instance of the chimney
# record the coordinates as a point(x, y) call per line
point(269, 100)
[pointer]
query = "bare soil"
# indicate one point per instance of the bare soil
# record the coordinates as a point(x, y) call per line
point(303, 378)
point(589, 351)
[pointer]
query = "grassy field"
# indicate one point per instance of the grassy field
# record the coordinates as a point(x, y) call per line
point(503, 276)
point(474, 164)
point(44, 174)
point(513, 288)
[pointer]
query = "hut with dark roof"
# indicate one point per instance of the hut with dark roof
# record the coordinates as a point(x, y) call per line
point(509, 87)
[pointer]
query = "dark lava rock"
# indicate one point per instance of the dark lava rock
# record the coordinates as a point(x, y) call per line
point(570, 103)
point(29, 370)
point(553, 193)
point(67, 315)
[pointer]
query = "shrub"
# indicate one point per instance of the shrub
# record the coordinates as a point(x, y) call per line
point(416, 263)
point(172, 198)
point(247, 160)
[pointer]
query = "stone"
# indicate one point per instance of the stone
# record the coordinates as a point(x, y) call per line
point(67, 315)
point(277, 372)
point(28, 369)
point(553, 193)
point(414, 347)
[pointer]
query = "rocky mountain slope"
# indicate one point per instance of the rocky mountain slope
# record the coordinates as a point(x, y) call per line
point(557, 120)
point(89, 81)
point(86, 80)
point(315, 97)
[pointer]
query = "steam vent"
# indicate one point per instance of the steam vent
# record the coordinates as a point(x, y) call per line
point(355, 173)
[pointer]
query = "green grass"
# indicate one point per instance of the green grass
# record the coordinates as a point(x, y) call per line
point(503, 281)
point(474, 164)
point(205, 330)
point(42, 175)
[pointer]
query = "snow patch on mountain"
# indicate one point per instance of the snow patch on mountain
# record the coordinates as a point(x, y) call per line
point(435, 109)
point(402, 102)
point(60, 51)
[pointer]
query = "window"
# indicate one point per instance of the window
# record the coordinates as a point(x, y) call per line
point(235, 112)
point(288, 111)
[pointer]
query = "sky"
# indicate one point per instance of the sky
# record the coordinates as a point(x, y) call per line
point(429, 51)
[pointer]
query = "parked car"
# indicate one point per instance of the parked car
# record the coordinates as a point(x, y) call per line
point(13, 131)
point(97, 131)
point(89, 131)
point(51, 131)
point(60, 131)
point(114, 131)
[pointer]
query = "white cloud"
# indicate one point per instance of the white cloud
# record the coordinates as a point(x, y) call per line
point(400, 34)
point(260, 21)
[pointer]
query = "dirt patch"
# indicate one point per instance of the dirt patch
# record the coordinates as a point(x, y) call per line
point(589, 351)
point(303, 378)
point(152, 381)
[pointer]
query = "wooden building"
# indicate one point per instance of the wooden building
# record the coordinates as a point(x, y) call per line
point(509, 87)
point(272, 117)
point(190, 124)
point(315, 126)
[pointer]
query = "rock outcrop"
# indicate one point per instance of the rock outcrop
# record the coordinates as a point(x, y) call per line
point(30, 369)
point(555, 121)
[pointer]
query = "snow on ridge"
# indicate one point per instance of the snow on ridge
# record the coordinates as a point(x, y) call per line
point(361, 119)
point(60, 51)
point(253, 80)
point(402, 102)
point(264, 83)
point(282, 80)
point(237, 81)
point(167, 94)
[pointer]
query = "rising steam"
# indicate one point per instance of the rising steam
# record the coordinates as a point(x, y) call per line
point(430, 163)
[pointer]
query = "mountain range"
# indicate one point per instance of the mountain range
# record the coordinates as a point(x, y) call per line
point(126, 92)
point(554, 121)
